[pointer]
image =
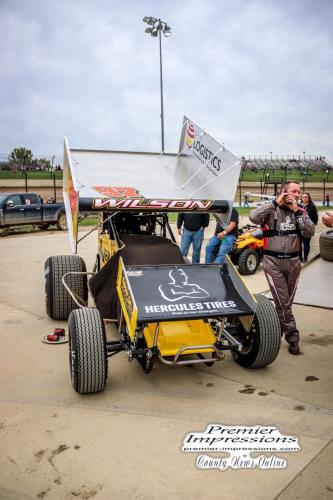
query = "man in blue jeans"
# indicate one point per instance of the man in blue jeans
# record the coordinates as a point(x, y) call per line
point(193, 232)
point(223, 240)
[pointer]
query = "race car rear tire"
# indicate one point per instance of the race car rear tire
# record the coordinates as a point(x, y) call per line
point(87, 351)
point(59, 303)
point(62, 222)
point(264, 339)
point(326, 245)
point(248, 262)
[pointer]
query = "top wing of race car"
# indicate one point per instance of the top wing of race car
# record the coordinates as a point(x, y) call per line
point(203, 176)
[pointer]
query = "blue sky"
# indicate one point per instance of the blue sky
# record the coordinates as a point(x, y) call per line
point(257, 75)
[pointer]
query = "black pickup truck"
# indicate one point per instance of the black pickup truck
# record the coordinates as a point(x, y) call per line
point(17, 209)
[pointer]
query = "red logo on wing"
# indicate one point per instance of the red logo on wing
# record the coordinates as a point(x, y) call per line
point(73, 199)
point(117, 191)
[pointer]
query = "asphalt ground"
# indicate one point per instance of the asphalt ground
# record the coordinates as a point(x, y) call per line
point(126, 442)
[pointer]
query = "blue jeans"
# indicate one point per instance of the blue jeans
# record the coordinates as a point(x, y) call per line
point(194, 237)
point(219, 247)
point(305, 243)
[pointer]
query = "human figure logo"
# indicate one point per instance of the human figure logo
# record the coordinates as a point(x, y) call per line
point(178, 288)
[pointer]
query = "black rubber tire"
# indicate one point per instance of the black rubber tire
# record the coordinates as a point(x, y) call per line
point(44, 227)
point(248, 262)
point(87, 351)
point(59, 303)
point(266, 337)
point(62, 222)
point(326, 245)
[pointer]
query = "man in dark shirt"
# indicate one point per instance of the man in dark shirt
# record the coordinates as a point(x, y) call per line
point(193, 232)
point(223, 240)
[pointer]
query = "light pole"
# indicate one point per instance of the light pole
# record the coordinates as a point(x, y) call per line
point(54, 181)
point(157, 28)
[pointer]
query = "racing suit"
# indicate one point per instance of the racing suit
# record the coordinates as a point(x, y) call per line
point(282, 229)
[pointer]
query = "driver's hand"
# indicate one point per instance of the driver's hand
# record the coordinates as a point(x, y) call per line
point(291, 203)
point(281, 199)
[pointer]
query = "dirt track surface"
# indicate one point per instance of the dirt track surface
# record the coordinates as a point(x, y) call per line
point(126, 442)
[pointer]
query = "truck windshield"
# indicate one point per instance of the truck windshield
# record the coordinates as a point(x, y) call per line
point(2, 197)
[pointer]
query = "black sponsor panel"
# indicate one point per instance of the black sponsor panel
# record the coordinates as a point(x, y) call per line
point(164, 293)
point(149, 205)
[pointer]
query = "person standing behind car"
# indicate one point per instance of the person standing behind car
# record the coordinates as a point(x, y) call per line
point(223, 240)
point(311, 209)
point(283, 223)
point(193, 233)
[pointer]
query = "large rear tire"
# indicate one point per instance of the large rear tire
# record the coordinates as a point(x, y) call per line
point(326, 245)
point(59, 303)
point(261, 346)
point(248, 262)
point(87, 351)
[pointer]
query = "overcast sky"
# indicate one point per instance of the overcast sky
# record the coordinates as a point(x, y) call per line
point(257, 75)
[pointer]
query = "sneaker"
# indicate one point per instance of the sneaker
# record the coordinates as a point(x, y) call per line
point(294, 347)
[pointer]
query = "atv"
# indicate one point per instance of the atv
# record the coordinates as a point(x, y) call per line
point(248, 250)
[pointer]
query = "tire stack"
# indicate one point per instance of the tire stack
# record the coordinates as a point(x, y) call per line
point(326, 245)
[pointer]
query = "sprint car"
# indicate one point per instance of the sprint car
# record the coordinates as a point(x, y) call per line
point(161, 308)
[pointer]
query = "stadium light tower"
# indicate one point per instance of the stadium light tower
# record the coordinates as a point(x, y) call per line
point(156, 28)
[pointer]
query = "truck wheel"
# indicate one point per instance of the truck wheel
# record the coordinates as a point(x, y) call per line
point(262, 344)
point(87, 351)
point(326, 245)
point(59, 303)
point(62, 222)
point(44, 227)
point(248, 262)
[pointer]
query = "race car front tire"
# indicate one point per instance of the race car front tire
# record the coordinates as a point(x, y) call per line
point(59, 303)
point(87, 351)
point(262, 344)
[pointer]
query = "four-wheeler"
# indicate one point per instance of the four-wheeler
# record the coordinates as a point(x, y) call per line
point(161, 308)
point(248, 251)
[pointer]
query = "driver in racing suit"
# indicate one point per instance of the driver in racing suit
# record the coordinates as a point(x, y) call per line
point(283, 222)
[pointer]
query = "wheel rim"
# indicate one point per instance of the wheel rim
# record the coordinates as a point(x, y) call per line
point(63, 222)
point(251, 262)
point(248, 339)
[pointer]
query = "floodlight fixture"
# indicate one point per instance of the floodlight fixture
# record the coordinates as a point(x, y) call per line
point(149, 20)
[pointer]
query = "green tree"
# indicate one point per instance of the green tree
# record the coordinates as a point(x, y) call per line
point(21, 155)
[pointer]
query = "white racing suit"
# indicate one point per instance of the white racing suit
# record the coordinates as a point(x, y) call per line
point(282, 229)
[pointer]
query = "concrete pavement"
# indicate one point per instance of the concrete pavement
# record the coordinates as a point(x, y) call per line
point(126, 442)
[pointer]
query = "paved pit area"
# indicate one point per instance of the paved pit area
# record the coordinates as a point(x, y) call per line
point(126, 442)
